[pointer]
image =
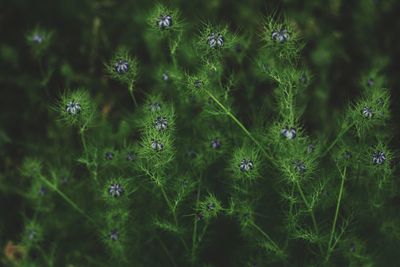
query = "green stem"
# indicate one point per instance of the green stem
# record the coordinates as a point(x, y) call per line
point(194, 236)
point(171, 207)
point(130, 89)
point(167, 252)
point(338, 137)
point(67, 199)
point(314, 221)
point(329, 250)
point(266, 236)
point(290, 213)
point(241, 126)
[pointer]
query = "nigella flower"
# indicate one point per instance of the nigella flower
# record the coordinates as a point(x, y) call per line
point(157, 145)
point(37, 38)
point(310, 148)
point(367, 112)
point(215, 40)
point(199, 216)
point(378, 158)
point(109, 155)
point(161, 123)
point(114, 235)
point(165, 77)
point(198, 83)
point(303, 78)
point(299, 166)
point(246, 165)
point(210, 206)
point(121, 66)
point(215, 143)
point(115, 190)
point(155, 107)
point(130, 156)
point(289, 133)
point(280, 36)
point(32, 234)
point(347, 155)
point(370, 82)
point(42, 191)
point(73, 108)
point(165, 21)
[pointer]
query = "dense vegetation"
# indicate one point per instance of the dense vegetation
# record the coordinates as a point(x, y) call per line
point(199, 133)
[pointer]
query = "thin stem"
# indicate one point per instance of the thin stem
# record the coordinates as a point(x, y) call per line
point(338, 137)
point(241, 126)
point(266, 236)
point(290, 212)
point(343, 176)
point(314, 221)
point(130, 89)
point(194, 236)
point(83, 140)
point(67, 199)
point(170, 257)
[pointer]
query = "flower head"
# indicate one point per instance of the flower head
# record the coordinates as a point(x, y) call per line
point(367, 112)
point(156, 145)
point(280, 36)
point(115, 190)
point(289, 133)
point(246, 165)
point(114, 235)
point(73, 108)
point(215, 40)
point(378, 158)
point(215, 143)
point(161, 123)
point(121, 66)
point(164, 22)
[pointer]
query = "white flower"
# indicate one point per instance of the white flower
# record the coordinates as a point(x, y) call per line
point(165, 21)
point(215, 40)
point(73, 108)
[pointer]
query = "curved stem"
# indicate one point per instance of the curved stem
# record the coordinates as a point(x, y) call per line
point(67, 199)
point(130, 89)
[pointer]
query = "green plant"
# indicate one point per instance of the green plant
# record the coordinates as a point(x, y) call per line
point(215, 142)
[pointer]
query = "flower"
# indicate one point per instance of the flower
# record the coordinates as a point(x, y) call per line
point(37, 38)
point(198, 83)
point(155, 107)
point(367, 112)
point(161, 123)
point(157, 145)
point(114, 235)
point(121, 66)
point(165, 21)
point(299, 166)
point(289, 133)
point(130, 156)
point(165, 77)
point(115, 190)
point(378, 158)
point(280, 36)
point(73, 108)
point(215, 143)
point(246, 165)
point(109, 155)
point(215, 40)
